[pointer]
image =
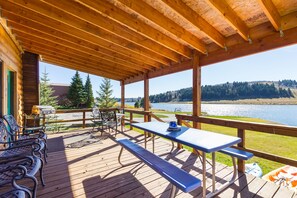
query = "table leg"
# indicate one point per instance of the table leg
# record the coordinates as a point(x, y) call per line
point(145, 133)
point(203, 174)
point(153, 143)
point(213, 158)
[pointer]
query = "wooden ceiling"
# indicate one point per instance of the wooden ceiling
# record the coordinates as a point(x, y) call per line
point(128, 39)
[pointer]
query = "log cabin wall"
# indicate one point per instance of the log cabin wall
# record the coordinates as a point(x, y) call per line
point(10, 55)
point(30, 80)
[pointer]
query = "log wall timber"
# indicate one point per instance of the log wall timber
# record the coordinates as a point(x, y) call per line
point(11, 60)
point(30, 63)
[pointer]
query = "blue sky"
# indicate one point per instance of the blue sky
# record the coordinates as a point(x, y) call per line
point(273, 65)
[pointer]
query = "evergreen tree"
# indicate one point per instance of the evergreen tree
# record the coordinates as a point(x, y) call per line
point(105, 98)
point(76, 93)
point(136, 104)
point(46, 92)
point(89, 93)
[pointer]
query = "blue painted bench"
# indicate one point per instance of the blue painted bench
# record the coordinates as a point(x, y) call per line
point(176, 176)
point(243, 155)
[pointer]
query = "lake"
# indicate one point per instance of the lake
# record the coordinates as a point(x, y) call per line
point(283, 114)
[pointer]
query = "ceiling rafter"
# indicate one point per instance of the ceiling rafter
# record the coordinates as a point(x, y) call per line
point(75, 66)
point(194, 18)
point(222, 7)
point(162, 21)
point(30, 33)
point(96, 49)
point(272, 13)
point(96, 19)
point(138, 26)
point(49, 45)
point(81, 28)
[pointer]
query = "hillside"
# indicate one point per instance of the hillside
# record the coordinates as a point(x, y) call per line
point(233, 91)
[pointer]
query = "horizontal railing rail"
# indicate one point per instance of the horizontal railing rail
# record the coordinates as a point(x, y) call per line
point(83, 119)
point(241, 127)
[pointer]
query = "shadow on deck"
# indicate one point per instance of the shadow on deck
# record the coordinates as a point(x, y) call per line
point(93, 171)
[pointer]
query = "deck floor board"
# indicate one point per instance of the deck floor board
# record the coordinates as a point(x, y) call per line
point(94, 171)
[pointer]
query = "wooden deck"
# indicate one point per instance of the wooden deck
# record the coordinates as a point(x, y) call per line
point(93, 171)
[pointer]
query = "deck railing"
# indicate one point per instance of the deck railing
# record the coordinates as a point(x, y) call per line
point(242, 128)
point(83, 119)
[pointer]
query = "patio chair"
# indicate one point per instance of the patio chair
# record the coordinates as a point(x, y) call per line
point(112, 121)
point(13, 169)
point(97, 119)
point(16, 130)
point(10, 141)
point(35, 128)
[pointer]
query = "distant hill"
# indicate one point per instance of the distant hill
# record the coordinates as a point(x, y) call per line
point(232, 91)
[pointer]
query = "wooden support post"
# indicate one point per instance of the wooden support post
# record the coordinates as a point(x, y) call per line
point(196, 88)
point(84, 119)
point(122, 94)
point(179, 146)
point(241, 163)
point(131, 119)
point(146, 102)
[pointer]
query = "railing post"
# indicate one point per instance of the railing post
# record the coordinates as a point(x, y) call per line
point(179, 122)
point(84, 119)
point(131, 119)
point(241, 163)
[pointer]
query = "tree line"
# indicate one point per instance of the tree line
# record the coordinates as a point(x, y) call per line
point(228, 91)
point(79, 95)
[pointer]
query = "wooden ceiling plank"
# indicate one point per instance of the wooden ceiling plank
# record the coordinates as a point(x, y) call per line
point(222, 7)
point(17, 21)
point(45, 45)
point(35, 48)
point(272, 13)
point(76, 67)
point(93, 17)
point(107, 9)
point(75, 26)
point(191, 16)
point(156, 17)
point(289, 21)
point(31, 34)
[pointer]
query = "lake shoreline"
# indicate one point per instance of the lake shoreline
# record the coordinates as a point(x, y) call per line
point(275, 101)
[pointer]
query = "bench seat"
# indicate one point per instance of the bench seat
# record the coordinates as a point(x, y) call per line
point(176, 176)
point(240, 154)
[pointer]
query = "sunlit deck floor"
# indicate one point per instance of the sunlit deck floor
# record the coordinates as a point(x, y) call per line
point(93, 171)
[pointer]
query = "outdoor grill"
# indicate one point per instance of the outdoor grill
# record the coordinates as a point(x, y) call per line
point(43, 110)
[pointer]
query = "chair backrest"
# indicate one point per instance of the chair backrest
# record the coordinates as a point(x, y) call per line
point(108, 115)
point(4, 133)
point(12, 123)
point(96, 113)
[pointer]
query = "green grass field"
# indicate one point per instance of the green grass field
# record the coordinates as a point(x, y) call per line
point(269, 143)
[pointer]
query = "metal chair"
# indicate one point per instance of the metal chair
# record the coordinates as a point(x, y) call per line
point(15, 134)
point(112, 121)
point(97, 120)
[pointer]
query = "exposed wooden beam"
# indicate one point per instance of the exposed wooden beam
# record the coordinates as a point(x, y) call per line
point(191, 16)
point(231, 17)
point(102, 66)
point(76, 67)
point(18, 22)
point(272, 13)
point(133, 23)
point(3, 23)
point(86, 68)
point(93, 17)
point(52, 17)
point(78, 47)
point(270, 42)
point(156, 17)
point(58, 44)
point(196, 88)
